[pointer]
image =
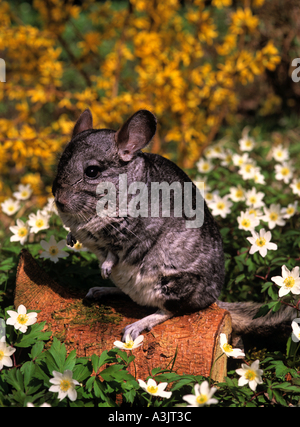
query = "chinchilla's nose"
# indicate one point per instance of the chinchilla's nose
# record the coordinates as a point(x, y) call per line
point(60, 200)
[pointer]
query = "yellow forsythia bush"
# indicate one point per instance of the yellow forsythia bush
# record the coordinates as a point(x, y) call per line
point(187, 63)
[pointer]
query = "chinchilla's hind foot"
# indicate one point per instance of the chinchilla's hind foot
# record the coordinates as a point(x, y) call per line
point(98, 292)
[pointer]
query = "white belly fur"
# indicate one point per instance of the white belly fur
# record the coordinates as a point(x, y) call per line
point(143, 290)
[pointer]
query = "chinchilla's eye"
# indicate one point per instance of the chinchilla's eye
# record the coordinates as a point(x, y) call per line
point(92, 172)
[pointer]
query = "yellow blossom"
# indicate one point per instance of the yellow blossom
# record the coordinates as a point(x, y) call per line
point(242, 20)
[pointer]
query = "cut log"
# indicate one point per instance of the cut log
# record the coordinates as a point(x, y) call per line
point(92, 328)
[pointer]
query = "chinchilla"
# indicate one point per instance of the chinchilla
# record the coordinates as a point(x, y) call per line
point(158, 250)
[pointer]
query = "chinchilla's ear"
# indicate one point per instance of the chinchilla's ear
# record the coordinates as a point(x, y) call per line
point(135, 134)
point(84, 122)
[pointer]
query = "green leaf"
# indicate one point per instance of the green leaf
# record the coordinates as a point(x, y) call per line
point(105, 357)
point(266, 286)
point(7, 264)
point(278, 397)
point(96, 362)
point(15, 378)
point(40, 373)
point(279, 261)
point(296, 381)
point(70, 362)
point(129, 396)
point(182, 383)
point(36, 350)
point(58, 352)
point(111, 373)
point(81, 372)
point(276, 306)
point(263, 311)
point(239, 278)
point(273, 293)
point(99, 389)
point(33, 334)
point(28, 369)
point(90, 383)
point(286, 386)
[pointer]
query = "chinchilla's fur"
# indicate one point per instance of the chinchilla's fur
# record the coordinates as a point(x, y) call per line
point(157, 261)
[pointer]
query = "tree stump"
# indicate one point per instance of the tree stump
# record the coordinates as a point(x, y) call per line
point(93, 328)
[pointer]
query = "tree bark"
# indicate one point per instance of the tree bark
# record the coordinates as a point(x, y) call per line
point(92, 328)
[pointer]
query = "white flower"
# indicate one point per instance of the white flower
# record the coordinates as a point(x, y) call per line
point(78, 247)
point(220, 205)
point(202, 186)
point(129, 344)
point(10, 206)
point(50, 207)
point(226, 158)
point(20, 319)
point(295, 186)
point(284, 172)
point(289, 281)
point(155, 389)
point(247, 170)
point(246, 143)
point(280, 154)
point(250, 375)
point(38, 222)
point(254, 198)
point(227, 348)
point(204, 166)
point(53, 250)
point(261, 242)
point(208, 153)
point(21, 231)
point(203, 395)
point(290, 210)
point(5, 352)
point(64, 385)
point(273, 216)
point(237, 194)
point(258, 176)
point(247, 221)
point(214, 152)
point(254, 211)
point(210, 196)
point(24, 192)
point(239, 160)
point(296, 330)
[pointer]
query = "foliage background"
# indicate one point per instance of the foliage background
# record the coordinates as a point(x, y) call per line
point(201, 66)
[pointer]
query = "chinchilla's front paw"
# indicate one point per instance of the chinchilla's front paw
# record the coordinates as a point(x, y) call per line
point(106, 267)
point(106, 270)
point(71, 240)
point(134, 330)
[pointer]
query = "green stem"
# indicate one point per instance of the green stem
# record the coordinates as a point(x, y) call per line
point(133, 365)
point(294, 358)
point(149, 403)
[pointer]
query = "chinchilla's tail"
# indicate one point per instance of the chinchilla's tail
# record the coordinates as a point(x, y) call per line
point(242, 314)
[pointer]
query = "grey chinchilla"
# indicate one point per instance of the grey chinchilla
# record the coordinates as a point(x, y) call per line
point(158, 260)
